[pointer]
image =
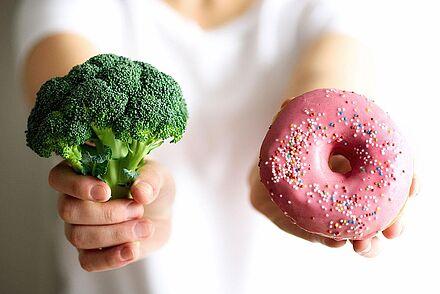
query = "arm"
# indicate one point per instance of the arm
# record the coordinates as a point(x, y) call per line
point(51, 57)
point(127, 229)
point(332, 61)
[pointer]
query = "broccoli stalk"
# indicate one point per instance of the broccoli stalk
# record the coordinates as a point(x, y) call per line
point(126, 159)
point(105, 116)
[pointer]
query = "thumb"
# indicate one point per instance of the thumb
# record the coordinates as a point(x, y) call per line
point(146, 187)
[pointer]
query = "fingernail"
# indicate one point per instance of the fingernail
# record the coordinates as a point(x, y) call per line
point(130, 252)
point(366, 249)
point(146, 189)
point(127, 253)
point(134, 210)
point(99, 193)
point(142, 229)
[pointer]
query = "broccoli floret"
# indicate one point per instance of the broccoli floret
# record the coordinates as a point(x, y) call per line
point(105, 116)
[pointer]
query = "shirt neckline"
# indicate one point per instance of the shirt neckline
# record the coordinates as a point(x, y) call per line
point(173, 21)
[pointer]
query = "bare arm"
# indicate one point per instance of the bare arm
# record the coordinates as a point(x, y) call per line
point(53, 56)
point(333, 61)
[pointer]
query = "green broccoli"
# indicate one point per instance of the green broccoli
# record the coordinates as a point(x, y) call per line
point(105, 115)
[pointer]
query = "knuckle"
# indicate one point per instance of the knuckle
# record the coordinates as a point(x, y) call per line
point(109, 215)
point(123, 233)
point(75, 236)
point(65, 209)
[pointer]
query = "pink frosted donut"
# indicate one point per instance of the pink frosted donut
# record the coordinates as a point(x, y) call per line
point(294, 165)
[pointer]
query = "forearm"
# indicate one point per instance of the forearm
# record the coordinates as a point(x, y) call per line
point(333, 61)
point(53, 56)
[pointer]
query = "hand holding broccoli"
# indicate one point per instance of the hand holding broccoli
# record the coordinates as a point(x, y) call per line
point(112, 234)
point(103, 118)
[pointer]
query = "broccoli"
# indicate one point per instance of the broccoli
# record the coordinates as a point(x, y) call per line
point(105, 116)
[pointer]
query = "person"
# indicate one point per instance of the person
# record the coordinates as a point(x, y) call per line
point(236, 61)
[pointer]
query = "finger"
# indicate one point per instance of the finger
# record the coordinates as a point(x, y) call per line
point(162, 183)
point(114, 257)
point(281, 108)
point(161, 234)
point(285, 224)
point(332, 243)
point(395, 230)
point(285, 102)
point(92, 237)
point(147, 186)
point(415, 186)
point(76, 211)
point(368, 247)
point(95, 260)
point(64, 179)
point(397, 227)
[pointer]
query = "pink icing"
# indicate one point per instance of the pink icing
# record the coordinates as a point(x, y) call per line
point(294, 164)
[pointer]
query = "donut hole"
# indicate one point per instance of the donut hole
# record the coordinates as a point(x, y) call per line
point(340, 164)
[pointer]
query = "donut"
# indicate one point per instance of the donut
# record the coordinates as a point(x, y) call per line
point(294, 165)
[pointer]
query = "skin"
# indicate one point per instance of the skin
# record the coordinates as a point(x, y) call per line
point(110, 235)
point(125, 229)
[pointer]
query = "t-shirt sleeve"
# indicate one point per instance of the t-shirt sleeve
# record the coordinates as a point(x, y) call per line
point(99, 21)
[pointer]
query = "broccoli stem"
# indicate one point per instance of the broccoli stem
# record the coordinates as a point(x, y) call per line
point(107, 137)
point(137, 151)
point(135, 155)
point(114, 179)
point(118, 181)
point(124, 156)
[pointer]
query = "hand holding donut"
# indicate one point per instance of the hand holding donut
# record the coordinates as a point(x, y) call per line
point(112, 234)
point(262, 202)
point(334, 167)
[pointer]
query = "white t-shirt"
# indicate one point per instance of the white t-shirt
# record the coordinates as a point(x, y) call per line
point(233, 78)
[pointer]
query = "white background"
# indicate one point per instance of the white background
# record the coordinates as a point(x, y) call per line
point(404, 36)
